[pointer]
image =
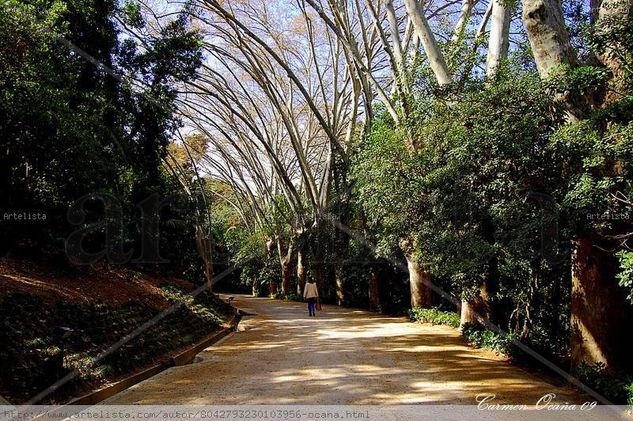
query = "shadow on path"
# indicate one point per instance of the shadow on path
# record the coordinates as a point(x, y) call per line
point(343, 356)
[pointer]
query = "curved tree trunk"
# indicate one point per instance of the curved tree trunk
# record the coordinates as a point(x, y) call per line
point(552, 48)
point(431, 48)
point(462, 21)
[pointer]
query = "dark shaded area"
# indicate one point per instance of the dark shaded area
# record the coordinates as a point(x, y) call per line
point(43, 341)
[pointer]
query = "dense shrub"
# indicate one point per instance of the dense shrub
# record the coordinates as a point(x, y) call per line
point(434, 316)
point(481, 337)
point(258, 273)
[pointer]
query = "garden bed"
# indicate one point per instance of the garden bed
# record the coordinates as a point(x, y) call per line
point(95, 329)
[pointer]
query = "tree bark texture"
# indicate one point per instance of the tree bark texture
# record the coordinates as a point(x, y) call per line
point(600, 314)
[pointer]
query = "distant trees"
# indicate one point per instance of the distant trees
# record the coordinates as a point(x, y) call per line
point(281, 128)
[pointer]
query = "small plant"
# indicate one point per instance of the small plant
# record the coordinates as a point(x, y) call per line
point(481, 337)
point(434, 316)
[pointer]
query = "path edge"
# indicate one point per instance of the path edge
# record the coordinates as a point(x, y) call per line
point(183, 358)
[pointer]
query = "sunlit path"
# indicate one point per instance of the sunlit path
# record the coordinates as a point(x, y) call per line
point(344, 356)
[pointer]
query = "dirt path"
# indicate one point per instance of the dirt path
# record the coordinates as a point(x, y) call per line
point(344, 356)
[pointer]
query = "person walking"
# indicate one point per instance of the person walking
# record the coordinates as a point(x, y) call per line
point(311, 294)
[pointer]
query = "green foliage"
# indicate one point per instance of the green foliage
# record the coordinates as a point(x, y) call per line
point(481, 337)
point(613, 39)
point(473, 185)
point(434, 316)
point(618, 389)
point(258, 273)
point(588, 157)
point(577, 80)
point(597, 155)
point(388, 185)
point(131, 14)
point(625, 276)
point(70, 128)
point(356, 269)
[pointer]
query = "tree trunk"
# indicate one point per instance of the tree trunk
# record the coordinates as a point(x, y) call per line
point(431, 48)
point(552, 49)
point(341, 241)
point(419, 282)
point(272, 286)
point(547, 35)
point(374, 290)
point(285, 260)
point(499, 37)
point(286, 274)
point(338, 279)
point(419, 278)
point(476, 311)
point(462, 21)
point(318, 247)
point(613, 14)
point(204, 244)
point(600, 313)
point(301, 272)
